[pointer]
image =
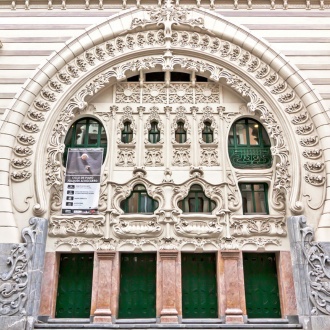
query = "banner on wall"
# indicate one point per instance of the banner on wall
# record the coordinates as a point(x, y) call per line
point(82, 181)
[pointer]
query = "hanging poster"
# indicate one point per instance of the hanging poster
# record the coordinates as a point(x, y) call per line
point(82, 181)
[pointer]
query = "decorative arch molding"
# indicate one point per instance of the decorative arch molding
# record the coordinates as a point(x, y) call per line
point(208, 44)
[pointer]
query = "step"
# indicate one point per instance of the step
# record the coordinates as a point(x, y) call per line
point(150, 326)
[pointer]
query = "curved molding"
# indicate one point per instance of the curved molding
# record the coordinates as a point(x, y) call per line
point(210, 44)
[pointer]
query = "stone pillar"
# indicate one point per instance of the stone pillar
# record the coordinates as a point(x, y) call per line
point(49, 286)
point(286, 285)
point(233, 286)
point(168, 295)
point(102, 284)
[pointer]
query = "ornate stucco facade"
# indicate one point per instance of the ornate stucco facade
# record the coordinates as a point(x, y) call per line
point(101, 73)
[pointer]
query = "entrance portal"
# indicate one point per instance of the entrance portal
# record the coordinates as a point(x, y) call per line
point(261, 286)
point(199, 285)
point(74, 286)
point(137, 297)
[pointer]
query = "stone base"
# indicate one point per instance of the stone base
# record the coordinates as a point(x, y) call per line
point(234, 316)
point(169, 316)
point(102, 319)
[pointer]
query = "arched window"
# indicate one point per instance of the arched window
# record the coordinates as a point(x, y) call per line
point(196, 201)
point(254, 198)
point(127, 132)
point(86, 133)
point(139, 201)
point(154, 133)
point(207, 133)
point(180, 133)
point(249, 145)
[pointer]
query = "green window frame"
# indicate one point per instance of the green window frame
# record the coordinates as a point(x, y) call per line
point(86, 132)
point(180, 133)
point(196, 201)
point(249, 145)
point(207, 132)
point(254, 198)
point(127, 132)
point(139, 201)
point(154, 132)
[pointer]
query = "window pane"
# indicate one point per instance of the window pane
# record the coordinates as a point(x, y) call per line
point(241, 133)
point(103, 136)
point(80, 133)
point(260, 202)
point(133, 203)
point(253, 133)
point(247, 202)
point(265, 137)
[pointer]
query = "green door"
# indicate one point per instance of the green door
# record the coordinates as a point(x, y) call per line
point(137, 298)
point(75, 286)
point(199, 285)
point(261, 286)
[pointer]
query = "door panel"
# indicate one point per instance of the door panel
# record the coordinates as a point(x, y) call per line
point(74, 286)
point(199, 285)
point(137, 297)
point(261, 285)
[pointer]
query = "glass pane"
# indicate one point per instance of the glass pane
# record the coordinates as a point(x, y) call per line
point(259, 187)
point(192, 204)
point(231, 137)
point(247, 202)
point(253, 133)
point(103, 136)
point(133, 203)
point(80, 133)
point(246, 186)
point(241, 133)
point(144, 203)
point(260, 202)
point(265, 137)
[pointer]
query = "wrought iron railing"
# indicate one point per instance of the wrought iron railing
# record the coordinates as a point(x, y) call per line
point(250, 157)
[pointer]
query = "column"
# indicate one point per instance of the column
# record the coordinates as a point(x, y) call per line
point(49, 286)
point(233, 286)
point(103, 286)
point(286, 284)
point(168, 295)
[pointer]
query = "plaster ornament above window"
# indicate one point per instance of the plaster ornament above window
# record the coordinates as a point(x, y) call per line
point(26, 140)
point(314, 167)
point(23, 151)
point(181, 156)
point(41, 105)
point(154, 157)
point(127, 123)
point(30, 127)
point(154, 126)
point(198, 228)
point(127, 93)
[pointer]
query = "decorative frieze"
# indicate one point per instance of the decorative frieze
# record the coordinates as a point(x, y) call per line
point(76, 225)
point(198, 228)
point(257, 225)
point(133, 228)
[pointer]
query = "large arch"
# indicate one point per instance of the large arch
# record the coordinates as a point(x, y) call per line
point(195, 40)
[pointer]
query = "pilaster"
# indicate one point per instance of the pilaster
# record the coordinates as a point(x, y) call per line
point(102, 282)
point(168, 295)
point(234, 286)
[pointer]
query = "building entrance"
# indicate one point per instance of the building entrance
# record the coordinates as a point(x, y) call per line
point(261, 285)
point(137, 297)
point(74, 286)
point(199, 285)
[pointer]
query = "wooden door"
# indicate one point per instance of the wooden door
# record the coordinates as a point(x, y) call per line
point(137, 297)
point(261, 285)
point(74, 286)
point(199, 285)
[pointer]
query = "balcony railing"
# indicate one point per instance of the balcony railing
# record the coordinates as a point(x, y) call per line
point(250, 157)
